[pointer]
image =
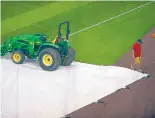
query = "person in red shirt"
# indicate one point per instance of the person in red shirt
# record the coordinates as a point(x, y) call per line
point(137, 55)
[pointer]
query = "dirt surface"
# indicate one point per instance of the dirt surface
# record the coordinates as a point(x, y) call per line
point(137, 100)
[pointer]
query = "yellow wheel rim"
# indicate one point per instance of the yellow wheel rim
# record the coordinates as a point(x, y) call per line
point(47, 60)
point(16, 57)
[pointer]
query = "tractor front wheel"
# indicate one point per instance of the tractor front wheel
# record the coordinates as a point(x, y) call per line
point(18, 57)
point(49, 59)
point(69, 58)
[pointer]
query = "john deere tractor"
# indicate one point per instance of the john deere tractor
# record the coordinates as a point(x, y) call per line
point(50, 54)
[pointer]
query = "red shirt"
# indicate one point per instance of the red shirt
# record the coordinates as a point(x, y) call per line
point(137, 49)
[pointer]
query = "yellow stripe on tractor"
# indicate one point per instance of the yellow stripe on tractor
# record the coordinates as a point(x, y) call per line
point(54, 41)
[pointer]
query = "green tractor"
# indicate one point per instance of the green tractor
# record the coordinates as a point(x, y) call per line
point(50, 54)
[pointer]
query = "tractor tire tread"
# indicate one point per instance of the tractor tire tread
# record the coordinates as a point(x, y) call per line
point(21, 54)
point(56, 59)
point(71, 57)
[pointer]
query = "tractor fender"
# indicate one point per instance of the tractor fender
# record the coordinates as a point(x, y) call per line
point(48, 45)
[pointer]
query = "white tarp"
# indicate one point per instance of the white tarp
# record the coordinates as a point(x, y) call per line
point(30, 92)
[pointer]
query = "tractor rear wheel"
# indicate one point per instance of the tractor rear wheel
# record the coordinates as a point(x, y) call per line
point(18, 57)
point(49, 59)
point(70, 58)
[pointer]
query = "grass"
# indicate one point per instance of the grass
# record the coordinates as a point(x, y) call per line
point(115, 40)
point(31, 17)
point(14, 8)
point(103, 44)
